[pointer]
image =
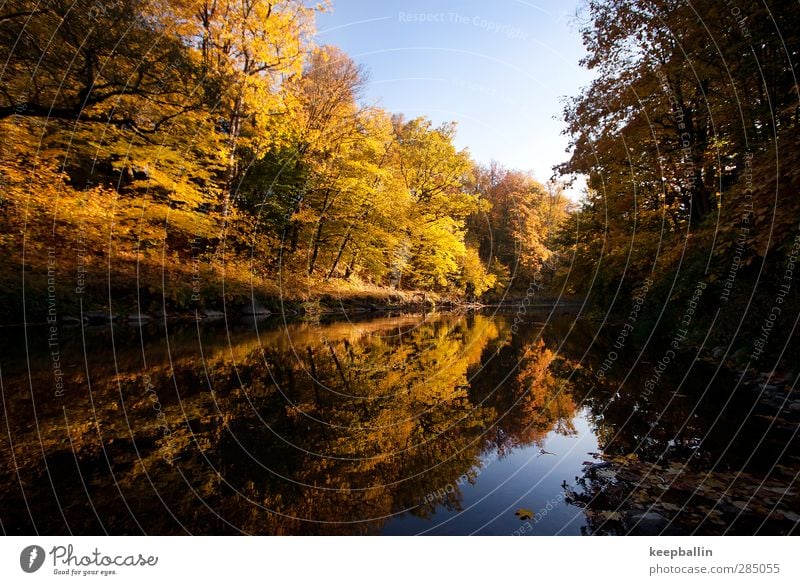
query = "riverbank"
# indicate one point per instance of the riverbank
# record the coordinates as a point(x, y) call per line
point(72, 285)
point(353, 303)
point(262, 303)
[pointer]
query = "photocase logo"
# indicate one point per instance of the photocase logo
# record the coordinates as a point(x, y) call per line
point(31, 558)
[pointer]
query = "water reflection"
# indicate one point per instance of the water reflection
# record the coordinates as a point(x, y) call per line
point(308, 428)
point(440, 424)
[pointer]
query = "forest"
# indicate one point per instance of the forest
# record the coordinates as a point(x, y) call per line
point(198, 155)
point(688, 137)
point(191, 156)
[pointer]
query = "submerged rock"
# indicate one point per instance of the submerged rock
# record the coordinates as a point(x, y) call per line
point(255, 308)
point(210, 314)
point(138, 317)
point(646, 523)
point(98, 317)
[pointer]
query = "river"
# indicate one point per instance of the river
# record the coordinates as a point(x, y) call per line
point(408, 424)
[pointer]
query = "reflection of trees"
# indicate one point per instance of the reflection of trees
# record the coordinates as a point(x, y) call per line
point(535, 398)
point(670, 420)
point(343, 424)
point(681, 458)
point(546, 400)
point(334, 423)
point(381, 413)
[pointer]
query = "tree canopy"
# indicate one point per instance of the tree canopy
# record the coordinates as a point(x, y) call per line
point(692, 106)
point(218, 132)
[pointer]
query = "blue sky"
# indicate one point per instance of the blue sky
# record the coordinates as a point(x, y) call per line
point(498, 68)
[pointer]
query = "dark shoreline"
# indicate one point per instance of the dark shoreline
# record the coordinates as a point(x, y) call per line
point(323, 307)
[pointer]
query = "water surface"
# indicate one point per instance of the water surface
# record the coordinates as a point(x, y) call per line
point(410, 424)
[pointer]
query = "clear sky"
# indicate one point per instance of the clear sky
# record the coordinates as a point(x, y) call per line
point(497, 67)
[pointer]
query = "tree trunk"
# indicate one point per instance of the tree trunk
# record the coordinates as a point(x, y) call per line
point(339, 254)
point(352, 266)
point(233, 140)
point(345, 241)
point(694, 137)
point(315, 252)
point(700, 200)
point(326, 205)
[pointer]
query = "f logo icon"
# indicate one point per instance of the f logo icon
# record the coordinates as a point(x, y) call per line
point(31, 558)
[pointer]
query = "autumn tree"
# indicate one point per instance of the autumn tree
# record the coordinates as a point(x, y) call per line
point(327, 127)
point(248, 49)
point(438, 178)
point(217, 131)
point(94, 61)
point(686, 96)
point(514, 231)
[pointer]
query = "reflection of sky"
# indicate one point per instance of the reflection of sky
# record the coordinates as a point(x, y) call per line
point(525, 479)
point(497, 68)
